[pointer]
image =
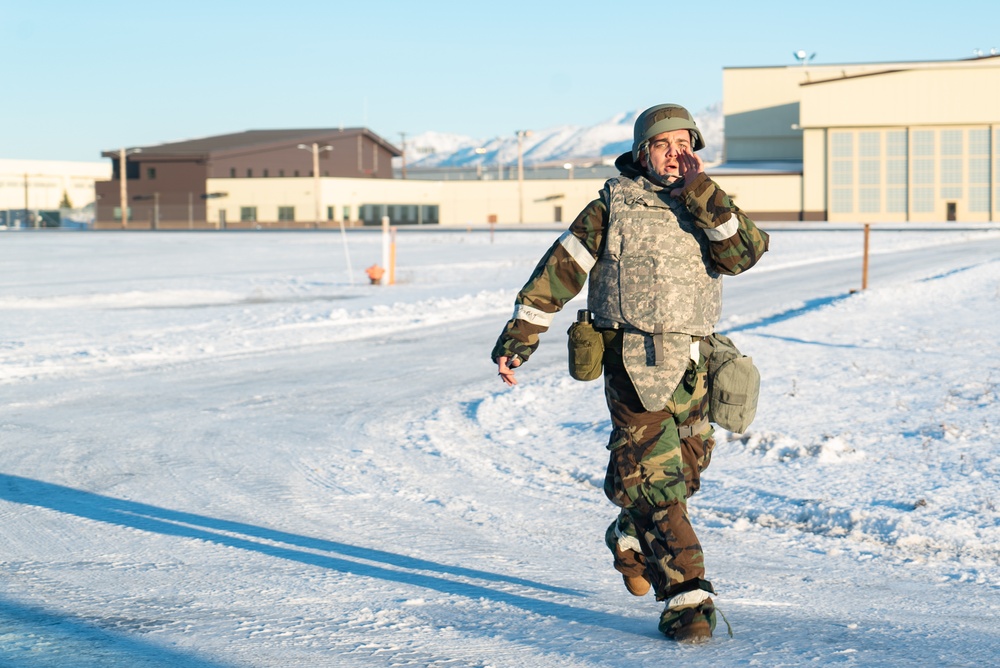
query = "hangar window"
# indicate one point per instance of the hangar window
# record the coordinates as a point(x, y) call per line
point(843, 145)
point(286, 213)
point(895, 144)
point(979, 199)
point(843, 200)
point(979, 142)
point(951, 178)
point(923, 142)
point(843, 172)
point(951, 142)
point(923, 200)
point(870, 144)
point(895, 172)
point(870, 173)
point(979, 170)
point(923, 172)
point(895, 200)
point(870, 200)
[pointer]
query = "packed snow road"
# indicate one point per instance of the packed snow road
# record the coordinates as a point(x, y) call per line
point(218, 452)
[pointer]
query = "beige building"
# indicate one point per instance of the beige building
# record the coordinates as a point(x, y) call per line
point(865, 142)
point(291, 202)
point(43, 185)
point(872, 142)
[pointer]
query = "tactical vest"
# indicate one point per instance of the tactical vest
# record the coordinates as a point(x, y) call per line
point(654, 274)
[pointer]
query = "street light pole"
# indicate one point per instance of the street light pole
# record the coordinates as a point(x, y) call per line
point(123, 177)
point(316, 148)
point(521, 134)
point(403, 146)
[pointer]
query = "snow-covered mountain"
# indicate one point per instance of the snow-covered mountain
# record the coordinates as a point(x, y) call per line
point(605, 140)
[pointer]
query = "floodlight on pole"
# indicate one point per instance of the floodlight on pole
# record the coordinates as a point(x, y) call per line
point(803, 57)
point(316, 148)
point(123, 177)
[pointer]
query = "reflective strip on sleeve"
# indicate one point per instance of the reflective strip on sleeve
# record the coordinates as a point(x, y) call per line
point(533, 315)
point(577, 251)
point(724, 231)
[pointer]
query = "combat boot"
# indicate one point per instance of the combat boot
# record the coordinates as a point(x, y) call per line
point(689, 617)
point(629, 560)
point(637, 585)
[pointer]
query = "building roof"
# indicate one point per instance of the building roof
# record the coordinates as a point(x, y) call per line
point(251, 140)
point(899, 64)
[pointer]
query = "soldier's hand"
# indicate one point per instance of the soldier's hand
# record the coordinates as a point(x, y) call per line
point(507, 372)
point(690, 166)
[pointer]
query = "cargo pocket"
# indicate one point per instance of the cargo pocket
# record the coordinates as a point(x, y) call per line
point(622, 466)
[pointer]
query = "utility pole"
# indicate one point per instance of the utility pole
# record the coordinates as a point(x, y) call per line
point(123, 177)
point(521, 134)
point(403, 145)
point(316, 148)
point(27, 212)
point(316, 184)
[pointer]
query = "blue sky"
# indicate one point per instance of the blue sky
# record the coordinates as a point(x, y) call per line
point(82, 77)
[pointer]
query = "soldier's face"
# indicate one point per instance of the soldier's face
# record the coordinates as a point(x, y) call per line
point(663, 151)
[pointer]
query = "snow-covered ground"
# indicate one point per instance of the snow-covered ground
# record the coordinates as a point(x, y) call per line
point(217, 451)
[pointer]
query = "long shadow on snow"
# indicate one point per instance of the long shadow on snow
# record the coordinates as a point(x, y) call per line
point(810, 305)
point(34, 638)
point(189, 525)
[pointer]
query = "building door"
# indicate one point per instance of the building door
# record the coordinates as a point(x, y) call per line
point(952, 211)
point(222, 219)
point(558, 214)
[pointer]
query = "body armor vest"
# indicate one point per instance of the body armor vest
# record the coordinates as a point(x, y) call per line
point(654, 273)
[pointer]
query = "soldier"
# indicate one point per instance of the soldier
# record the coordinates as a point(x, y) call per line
point(654, 245)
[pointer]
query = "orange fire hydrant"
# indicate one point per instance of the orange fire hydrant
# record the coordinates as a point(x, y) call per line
point(375, 273)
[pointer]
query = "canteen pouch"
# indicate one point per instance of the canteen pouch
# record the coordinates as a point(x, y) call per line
point(733, 384)
point(586, 349)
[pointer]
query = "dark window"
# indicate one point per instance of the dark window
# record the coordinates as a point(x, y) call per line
point(558, 214)
point(296, 172)
point(249, 173)
point(399, 214)
point(151, 172)
point(286, 213)
point(429, 214)
point(265, 173)
point(281, 172)
point(232, 172)
point(248, 213)
point(132, 170)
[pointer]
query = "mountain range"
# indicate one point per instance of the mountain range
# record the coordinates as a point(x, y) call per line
point(602, 142)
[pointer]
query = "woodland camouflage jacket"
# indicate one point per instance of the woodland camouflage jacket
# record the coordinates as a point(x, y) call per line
point(734, 245)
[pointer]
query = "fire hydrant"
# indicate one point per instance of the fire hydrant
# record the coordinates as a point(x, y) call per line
point(375, 273)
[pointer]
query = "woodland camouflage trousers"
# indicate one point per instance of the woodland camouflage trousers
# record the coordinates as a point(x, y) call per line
point(655, 464)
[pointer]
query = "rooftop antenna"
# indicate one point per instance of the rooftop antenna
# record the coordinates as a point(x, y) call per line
point(803, 57)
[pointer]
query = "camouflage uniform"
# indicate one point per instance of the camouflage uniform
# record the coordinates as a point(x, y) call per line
point(655, 379)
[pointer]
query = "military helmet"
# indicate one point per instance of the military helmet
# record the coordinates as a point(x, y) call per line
point(664, 118)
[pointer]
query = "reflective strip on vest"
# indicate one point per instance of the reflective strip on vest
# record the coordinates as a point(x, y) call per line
point(724, 231)
point(577, 251)
point(532, 315)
